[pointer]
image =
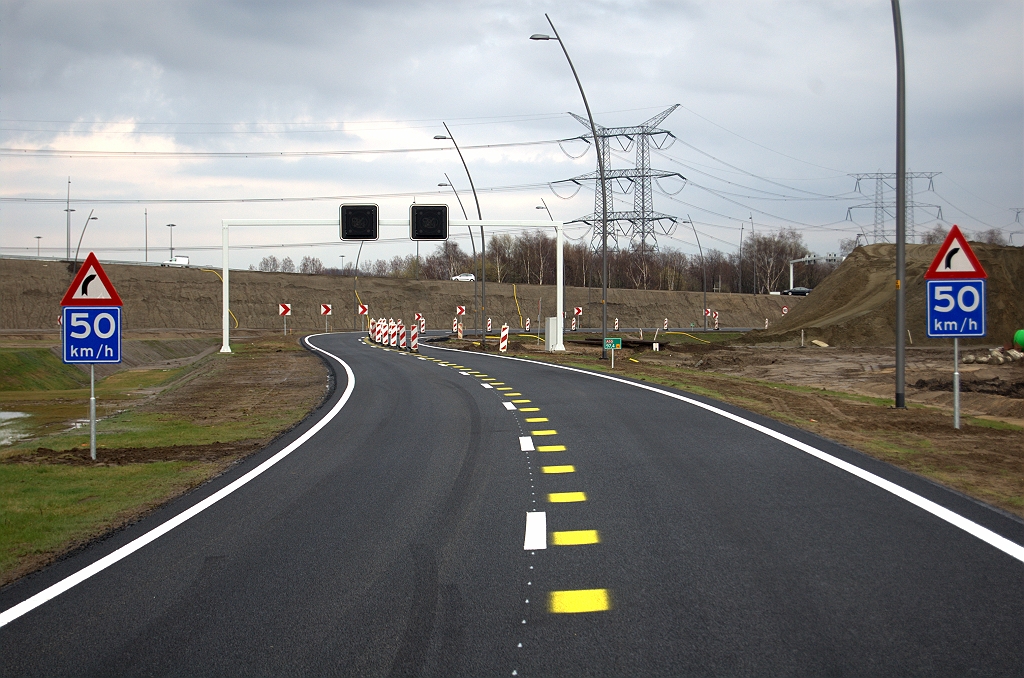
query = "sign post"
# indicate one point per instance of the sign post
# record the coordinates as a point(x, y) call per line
point(284, 310)
point(610, 344)
point(91, 328)
point(325, 310)
point(956, 300)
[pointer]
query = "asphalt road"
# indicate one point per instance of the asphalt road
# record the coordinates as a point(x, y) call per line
point(675, 541)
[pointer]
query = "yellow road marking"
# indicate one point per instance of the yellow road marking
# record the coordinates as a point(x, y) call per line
point(586, 600)
point(534, 420)
point(568, 468)
point(504, 388)
point(489, 379)
point(544, 432)
point(513, 394)
point(529, 409)
point(496, 383)
point(551, 448)
point(566, 497)
point(479, 375)
point(575, 538)
point(521, 401)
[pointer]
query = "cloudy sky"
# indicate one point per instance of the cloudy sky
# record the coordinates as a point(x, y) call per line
point(195, 112)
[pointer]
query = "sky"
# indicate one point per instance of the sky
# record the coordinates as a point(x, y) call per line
point(193, 112)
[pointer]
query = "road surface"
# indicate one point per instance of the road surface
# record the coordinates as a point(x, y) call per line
point(468, 515)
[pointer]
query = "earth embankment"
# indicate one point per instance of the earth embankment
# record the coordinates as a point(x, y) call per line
point(856, 305)
point(190, 299)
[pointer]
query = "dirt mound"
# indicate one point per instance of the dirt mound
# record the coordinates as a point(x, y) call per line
point(190, 299)
point(136, 455)
point(856, 305)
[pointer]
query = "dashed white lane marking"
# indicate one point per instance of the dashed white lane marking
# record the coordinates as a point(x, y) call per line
point(536, 531)
point(508, 406)
point(487, 386)
point(51, 592)
point(526, 443)
point(972, 528)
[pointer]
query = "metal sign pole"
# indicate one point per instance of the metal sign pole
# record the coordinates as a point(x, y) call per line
point(92, 412)
point(956, 383)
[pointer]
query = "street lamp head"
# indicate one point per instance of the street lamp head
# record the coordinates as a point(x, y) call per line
point(444, 184)
point(441, 136)
point(540, 36)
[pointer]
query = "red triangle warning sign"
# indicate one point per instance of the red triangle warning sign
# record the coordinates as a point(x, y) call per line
point(91, 287)
point(955, 260)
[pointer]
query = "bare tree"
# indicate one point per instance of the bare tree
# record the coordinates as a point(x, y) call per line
point(270, 264)
point(287, 266)
point(934, 236)
point(993, 236)
point(311, 266)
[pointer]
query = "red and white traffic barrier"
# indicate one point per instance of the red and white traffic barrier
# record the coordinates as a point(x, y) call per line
point(503, 342)
point(401, 334)
point(573, 325)
point(382, 326)
point(392, 332)
point(715, 316)
point(370, 329)
point(455, 325)
point(423, 324)
point(616, 324)
point(414, 338)
point(665, 324)
point(527, 324)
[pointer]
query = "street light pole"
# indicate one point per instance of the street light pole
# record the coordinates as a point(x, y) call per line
point(472, 242)
point(604, 191)
point(704, 273)
point(68, 210)
point(901, 210)
point(38, 238)
point(170, 230)
point(483, 244)
point(87, 220)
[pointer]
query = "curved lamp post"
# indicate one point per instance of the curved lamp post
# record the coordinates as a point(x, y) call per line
point(604, 192)
point(472, 242)
point(483, 245)
point(87, 220)
point(704, 272)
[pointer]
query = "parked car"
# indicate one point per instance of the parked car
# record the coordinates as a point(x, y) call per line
point(798, 291)
point(464, 277)
point(176, 261)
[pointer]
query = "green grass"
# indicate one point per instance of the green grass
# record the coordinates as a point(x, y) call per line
point(43, 508)
point(988, 423)
point(32, 369)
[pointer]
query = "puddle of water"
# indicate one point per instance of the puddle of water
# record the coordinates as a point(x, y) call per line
point(10, 428)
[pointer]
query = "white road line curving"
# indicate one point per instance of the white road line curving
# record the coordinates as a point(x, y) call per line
point(51, 592)
point(991, 538)
point(536, 531)
point(525, 444)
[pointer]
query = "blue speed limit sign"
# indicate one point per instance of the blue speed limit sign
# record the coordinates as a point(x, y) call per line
point(92, 334)
point(956, 308)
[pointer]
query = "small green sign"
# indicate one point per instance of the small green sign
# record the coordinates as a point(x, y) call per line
point(612, 343)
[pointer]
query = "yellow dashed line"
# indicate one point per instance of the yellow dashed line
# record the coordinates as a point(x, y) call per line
point(504, 388)
point(489, 379)
point(568, 468)
point(586, 600)
point(513, 394)
point(544, 432)
point(551, 448)
point(519, 402)
point(534, 420)
point(528, 409)
point(479, 375)
point(496, 383)
point(566, 497)
point(575, 538)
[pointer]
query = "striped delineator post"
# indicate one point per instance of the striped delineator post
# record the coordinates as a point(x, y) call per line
point(380, 330)
point(455, 325)
point(392, 332)
point(370, 329)
point(414, 338)
point(488, 324)
point(401, 334)
point(527, 324)
point(503, 342)
point(616, 324)
point(423, 324)
point(573, 326)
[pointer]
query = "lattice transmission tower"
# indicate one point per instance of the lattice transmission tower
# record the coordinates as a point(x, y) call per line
point(636, 225)
point(886, 208)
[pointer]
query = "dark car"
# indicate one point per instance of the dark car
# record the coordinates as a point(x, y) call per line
point(798, 291)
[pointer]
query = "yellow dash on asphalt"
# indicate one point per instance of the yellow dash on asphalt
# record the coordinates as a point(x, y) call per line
point(504, 388)
point(479, 375)
point(575, 538)
point(551, 448)
point(513, 394)
point(566, 497)
point(489, 379)
point(528, 409)
point(568, 468)
point(521, 401)
point(534, 420)
point(586, 600)
point(544, 432)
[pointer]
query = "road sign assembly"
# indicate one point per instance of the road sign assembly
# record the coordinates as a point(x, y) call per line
point(284, 309)
point(610, 344)
point(577, 310)
point(91, 327)
point(363, 309)
point(503, 341)
point(785, 310)
point(707, 312)
point(359, 222)
point(325, 309)
point(955, 284)
point(460, 310)
point(428, 222)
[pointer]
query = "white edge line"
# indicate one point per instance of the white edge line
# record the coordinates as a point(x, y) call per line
point(991, 538)
point(51, 592)
point(536, 531)
point(526, 444)
point(508, 406)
